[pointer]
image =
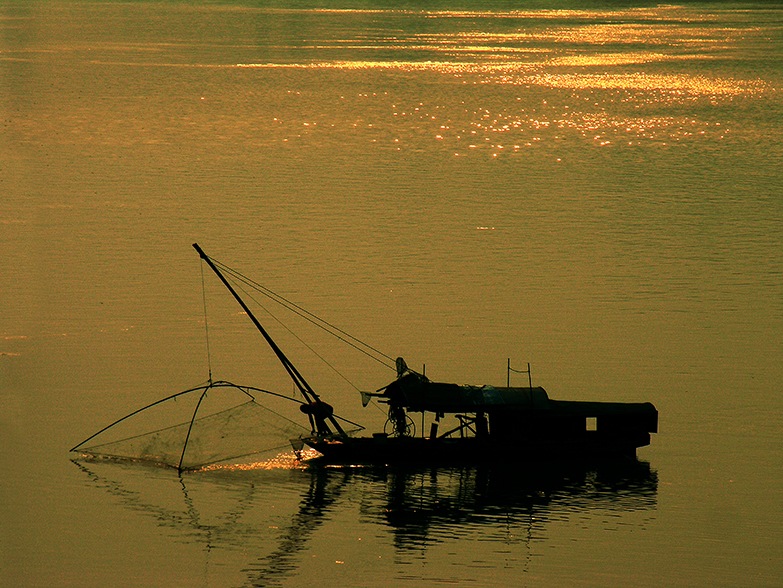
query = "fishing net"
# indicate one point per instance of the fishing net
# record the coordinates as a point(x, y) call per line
point(215, 423)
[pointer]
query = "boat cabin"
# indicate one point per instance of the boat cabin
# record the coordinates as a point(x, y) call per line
point(522, 415)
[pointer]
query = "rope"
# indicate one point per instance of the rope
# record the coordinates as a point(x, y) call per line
point(206, 323)
point(322, 324)
point(298, 338)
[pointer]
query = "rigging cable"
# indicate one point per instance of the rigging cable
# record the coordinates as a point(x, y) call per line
point(298, 338)
point(238, 278)
point(324, 325)
point(206, 323)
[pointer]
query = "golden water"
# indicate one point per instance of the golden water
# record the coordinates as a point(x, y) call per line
point(596, 191)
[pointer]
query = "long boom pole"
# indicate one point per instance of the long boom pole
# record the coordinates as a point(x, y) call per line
point(307, 391)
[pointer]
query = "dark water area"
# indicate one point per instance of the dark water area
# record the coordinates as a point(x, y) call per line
point(276, 527)
point(594, 188)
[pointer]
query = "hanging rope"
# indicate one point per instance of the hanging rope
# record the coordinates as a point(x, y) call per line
point(206, 322)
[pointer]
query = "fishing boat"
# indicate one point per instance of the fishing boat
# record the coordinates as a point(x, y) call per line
point(487, 422)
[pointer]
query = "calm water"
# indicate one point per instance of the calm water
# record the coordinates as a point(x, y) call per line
point(594, 189)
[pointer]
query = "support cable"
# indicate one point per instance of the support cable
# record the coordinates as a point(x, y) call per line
point(297, 337)
point(322, 324)
point(307, 391)
point(206, 322)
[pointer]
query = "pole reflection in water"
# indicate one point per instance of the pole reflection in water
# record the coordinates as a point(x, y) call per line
point(258, 525)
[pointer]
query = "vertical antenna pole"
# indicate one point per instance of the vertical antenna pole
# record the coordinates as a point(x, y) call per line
point(509, 370)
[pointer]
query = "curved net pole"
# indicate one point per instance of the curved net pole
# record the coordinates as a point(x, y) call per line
point(190, 428)
point(135, 412)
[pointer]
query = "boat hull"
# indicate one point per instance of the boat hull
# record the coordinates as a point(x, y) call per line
point(382, 449)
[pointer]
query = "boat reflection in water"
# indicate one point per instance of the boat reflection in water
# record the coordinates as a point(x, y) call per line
point(240, 510)
point(424, 506)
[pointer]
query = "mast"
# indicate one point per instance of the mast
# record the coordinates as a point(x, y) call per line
point(316, 409)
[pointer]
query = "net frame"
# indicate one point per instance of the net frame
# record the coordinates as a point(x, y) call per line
point(185, 429)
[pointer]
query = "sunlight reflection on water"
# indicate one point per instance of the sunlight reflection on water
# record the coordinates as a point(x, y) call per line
point(594, 191)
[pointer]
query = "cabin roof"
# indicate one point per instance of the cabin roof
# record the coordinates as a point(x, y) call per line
point(422, 395)
point(418, 394)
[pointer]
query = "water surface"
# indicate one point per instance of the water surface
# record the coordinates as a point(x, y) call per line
point(594, 189)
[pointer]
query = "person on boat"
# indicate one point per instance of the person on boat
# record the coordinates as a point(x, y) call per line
point(318, 411)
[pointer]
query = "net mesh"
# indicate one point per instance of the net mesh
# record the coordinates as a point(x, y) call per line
point(215, 423)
